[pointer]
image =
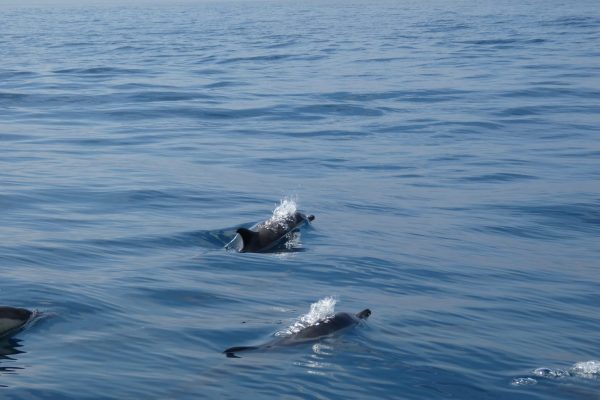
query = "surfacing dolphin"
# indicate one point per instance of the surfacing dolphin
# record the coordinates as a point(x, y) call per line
point(323, 328)
point(12, 319)
point(271, 233)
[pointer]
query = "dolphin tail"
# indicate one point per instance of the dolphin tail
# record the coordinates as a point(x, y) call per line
point(230, 352)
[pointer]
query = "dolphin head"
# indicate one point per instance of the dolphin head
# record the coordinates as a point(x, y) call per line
point(364, 314)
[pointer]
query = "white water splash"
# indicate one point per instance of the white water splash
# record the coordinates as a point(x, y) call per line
point(549, 373)
point(287, 206)
point(523, 381)
point(586, 369)
point(293, 240)
point(321, 310)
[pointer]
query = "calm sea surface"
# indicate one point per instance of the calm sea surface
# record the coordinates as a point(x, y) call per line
point(450, 152)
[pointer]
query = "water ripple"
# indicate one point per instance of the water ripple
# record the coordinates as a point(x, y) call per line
point(449, 152)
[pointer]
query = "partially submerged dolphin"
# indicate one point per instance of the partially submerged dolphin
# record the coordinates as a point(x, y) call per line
point(12, 319)
point(323, 328)
point(271, 233)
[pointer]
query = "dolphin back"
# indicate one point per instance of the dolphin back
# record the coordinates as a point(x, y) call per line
point(271, 233)
point(13, 319)
point(338, 322)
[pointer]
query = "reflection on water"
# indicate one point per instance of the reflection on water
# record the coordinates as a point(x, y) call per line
point(9, 347)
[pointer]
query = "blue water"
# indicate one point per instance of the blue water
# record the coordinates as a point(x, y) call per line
point(450, 152)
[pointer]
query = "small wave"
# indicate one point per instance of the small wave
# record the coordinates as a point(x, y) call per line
point(97, 71)
point(485, 42)
point(322, 309)
point(11, 96)
point(260, 58)
point(339, 109)
point(14, 137)
point(520, 111)
point(497, 177)
point(8, 74)
point(164, 96)
point(503, 42)
point(222, 84)
point(574, 22)
point(420, 95)
point(575, 217)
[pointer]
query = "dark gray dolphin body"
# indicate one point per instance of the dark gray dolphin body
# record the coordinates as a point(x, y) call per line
point(271, 233)
point(327, 327)
point(12, 319)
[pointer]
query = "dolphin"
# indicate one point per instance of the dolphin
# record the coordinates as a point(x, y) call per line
point(323, 328)
point(270, 233)
point(12, 319)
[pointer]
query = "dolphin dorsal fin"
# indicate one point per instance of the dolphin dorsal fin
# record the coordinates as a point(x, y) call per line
point(247, 235)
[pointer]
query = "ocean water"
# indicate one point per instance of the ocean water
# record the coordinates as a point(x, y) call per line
point(450, 152)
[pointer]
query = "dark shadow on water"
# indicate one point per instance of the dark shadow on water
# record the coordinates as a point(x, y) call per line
point(9, 347)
